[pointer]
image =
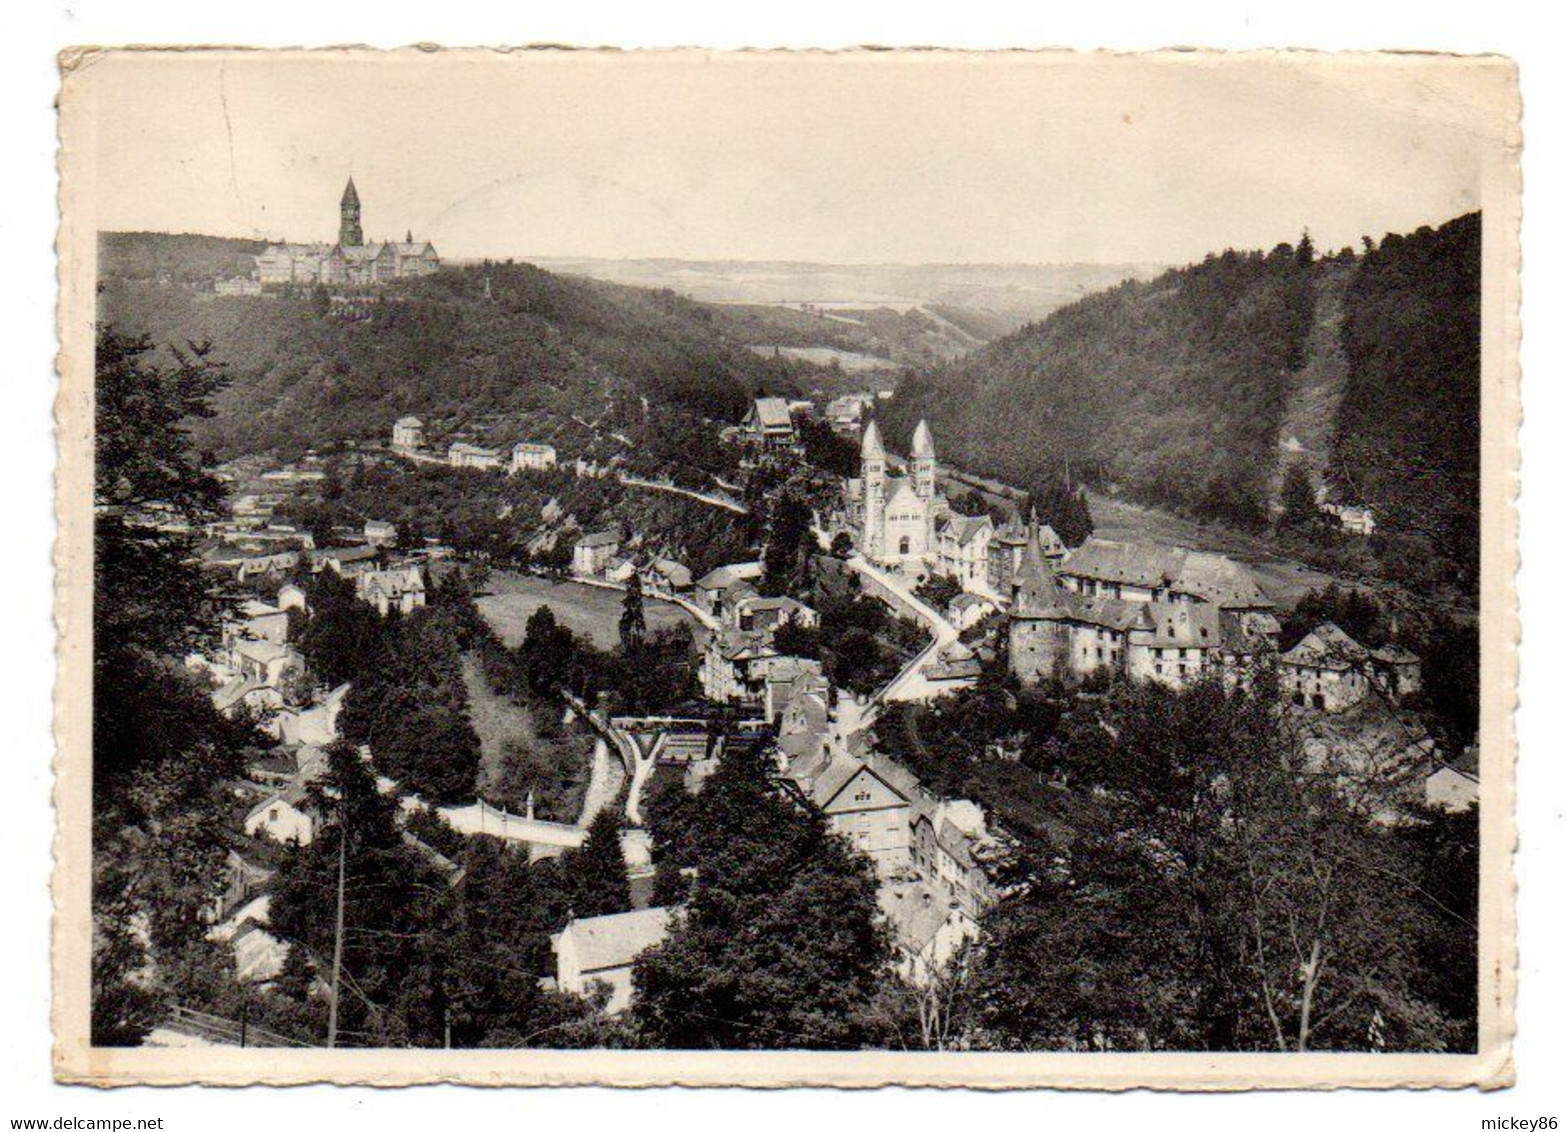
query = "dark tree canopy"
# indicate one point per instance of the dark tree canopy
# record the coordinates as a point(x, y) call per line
point(779, 944)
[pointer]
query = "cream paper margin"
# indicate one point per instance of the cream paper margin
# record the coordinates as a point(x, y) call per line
point(1492, 84)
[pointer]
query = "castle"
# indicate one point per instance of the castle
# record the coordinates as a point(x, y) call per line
point(1164, 614)
point(351, 261)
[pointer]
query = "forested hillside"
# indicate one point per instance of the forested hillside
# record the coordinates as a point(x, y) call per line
point(182, 258)
point(1192, 390)
point(1407, 436)
point(534, 350)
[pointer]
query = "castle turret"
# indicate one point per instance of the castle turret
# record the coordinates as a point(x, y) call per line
point(1037, 630)
point(1036, 592)
point(350, 234)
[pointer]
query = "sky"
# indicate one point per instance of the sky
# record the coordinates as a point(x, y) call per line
point(865, 157)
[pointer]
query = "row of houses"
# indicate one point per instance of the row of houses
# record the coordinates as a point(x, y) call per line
point(773, 423)
point(608, 555)
point(742, 662)
point(408, 438)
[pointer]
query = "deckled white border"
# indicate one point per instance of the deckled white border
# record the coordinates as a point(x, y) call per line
point(75, 1061)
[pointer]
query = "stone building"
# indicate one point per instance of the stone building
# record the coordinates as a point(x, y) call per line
point(1138, 612)
point(895, 516)
point(1006, 552)
point(408, 434)
point(351, 261)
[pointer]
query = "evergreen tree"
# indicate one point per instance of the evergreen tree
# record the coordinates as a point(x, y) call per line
point(780, 944)
point(160, 751)
point(634, 623)
point(1298, 502)
point(595, 875)
point(1218, 896)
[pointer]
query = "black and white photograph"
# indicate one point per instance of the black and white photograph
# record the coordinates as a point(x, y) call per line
point(613, 567)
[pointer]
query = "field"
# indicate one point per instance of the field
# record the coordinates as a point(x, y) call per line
point(826, 355)
point(586, 610)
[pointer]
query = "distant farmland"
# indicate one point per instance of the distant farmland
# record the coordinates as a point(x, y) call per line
point(827, 355)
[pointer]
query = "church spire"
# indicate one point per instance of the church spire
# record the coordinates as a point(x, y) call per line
point(871, 446)
point(350, 234)
point(922, 447)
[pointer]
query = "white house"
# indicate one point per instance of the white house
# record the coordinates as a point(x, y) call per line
point(600, 950)
point(768, 423)
point(379, 532)
point(1327, 670)
point(967, 609)
point(285, 817)
point(591, 554)
point(257, 621)
point(408, 434)
point(712, 586)
point(963, 549)
point(402, 589)
point(464, 455)
point(316, 725)
point(528, 457)
point(263, 662)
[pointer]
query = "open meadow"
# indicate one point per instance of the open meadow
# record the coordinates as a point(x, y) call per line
point(589, 611)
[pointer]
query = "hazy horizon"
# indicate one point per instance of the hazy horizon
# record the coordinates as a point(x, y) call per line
point(863, 159)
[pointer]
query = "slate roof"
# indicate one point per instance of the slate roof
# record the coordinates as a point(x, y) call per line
point(262, 652)
point(295, 796)
point(676, 573)
point(605, 942)
point(841, 771)
point(1040, 594)
point(916, 913)
point(1328, 646)
point(871, 444)
point(1184, 625)
point(966, 527)
point(601, 538)
point(742, 644)
point(1212, 577)
point(393, 583)
point(343, 554)
point(1395, 654)
point(722, 577)
point(772, 412)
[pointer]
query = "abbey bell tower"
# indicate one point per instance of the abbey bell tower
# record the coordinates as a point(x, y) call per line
point(349, 233)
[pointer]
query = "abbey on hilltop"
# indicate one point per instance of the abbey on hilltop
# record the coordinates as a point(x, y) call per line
point(351, 261)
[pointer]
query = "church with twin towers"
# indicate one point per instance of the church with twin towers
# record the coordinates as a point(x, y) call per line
point(897, 516)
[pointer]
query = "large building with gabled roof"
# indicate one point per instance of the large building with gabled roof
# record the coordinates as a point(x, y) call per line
point(1141, 612)
point(352, 261)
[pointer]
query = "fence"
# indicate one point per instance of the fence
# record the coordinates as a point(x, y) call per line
point(226, 1031)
